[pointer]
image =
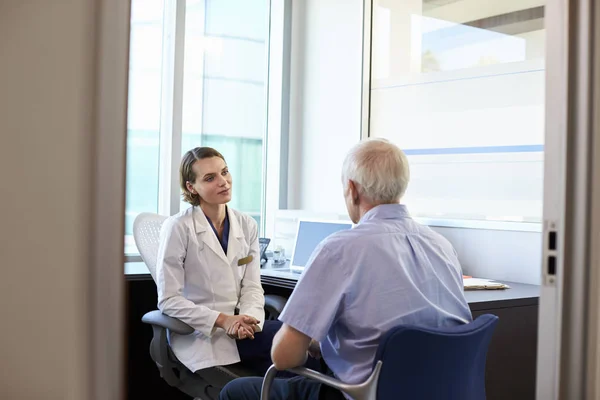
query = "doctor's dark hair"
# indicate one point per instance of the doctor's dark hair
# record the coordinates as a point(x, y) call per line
point(187, 174)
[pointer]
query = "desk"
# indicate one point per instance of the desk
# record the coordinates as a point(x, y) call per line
point(511, 363)
point(137, 271)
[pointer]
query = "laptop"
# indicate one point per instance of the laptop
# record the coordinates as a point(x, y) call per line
point(308, 236)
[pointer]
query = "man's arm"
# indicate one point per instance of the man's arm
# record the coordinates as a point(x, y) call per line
point(290, 348)
point(312, 308)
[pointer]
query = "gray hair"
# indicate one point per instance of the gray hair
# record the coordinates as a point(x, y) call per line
point(379, 168)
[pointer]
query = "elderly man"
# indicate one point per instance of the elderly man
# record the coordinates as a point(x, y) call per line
point(359, 283)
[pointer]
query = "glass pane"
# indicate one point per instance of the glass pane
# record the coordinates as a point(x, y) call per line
point(143, 112)
point(233, 108)
point(460, 87)
point(225, 90)
point(231, 54)
point(243, 19)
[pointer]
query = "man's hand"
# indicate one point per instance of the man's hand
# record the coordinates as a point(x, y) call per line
point(314, 349)
point(237, 326)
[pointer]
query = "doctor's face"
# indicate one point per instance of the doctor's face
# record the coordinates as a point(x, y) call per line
point(213, 181)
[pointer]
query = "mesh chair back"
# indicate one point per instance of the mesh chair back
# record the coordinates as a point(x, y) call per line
point(146, 233)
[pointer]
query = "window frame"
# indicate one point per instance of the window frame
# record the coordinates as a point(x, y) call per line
point(171, 118)
point(171, 106)
point(276, 160)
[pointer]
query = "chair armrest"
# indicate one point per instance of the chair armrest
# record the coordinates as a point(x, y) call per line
point(157, 318)
point(162, 326)
point(274, 305)
point(363, 391)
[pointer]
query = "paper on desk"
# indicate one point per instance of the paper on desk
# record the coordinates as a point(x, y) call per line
point(482, 284)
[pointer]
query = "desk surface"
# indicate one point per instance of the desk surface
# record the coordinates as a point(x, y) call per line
point(519, 294)
point(137, 271)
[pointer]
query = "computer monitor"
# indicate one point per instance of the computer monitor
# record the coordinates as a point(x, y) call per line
point(308, 237)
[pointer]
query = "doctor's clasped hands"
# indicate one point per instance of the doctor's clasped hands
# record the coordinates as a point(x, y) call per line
point(238, 326)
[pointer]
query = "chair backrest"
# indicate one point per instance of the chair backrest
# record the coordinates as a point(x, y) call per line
point(146, 233)
point(443, 363)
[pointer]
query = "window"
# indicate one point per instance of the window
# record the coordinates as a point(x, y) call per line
point(225, 83)
point(198, 77)
point(145, 59)
point(461, 89)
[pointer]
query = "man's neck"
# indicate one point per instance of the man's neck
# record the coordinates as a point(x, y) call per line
point(215, 212)
point(365, 207)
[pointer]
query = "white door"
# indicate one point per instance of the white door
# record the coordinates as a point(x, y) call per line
point(568, 319)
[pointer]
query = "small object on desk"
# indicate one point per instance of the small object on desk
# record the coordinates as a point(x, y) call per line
point(483, 284)
point(279, 255)
point(265, 260)
point(263, 243)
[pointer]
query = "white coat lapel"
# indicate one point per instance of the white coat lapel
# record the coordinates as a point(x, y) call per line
point(236, 236)
point(207, 235)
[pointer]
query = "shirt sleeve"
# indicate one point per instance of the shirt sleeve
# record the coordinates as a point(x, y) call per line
point(252, 299)
point(170, 281)
point(317, 299)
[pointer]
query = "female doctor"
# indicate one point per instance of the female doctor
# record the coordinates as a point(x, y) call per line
point(208, 270)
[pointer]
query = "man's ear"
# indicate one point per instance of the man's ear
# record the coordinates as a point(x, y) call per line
point(353, 192)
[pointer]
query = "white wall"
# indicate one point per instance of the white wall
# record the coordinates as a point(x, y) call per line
point(498, 254)
point(325, 122)
point(466, 103)
point(51, 58)
point(325, 106)
point(479, 88)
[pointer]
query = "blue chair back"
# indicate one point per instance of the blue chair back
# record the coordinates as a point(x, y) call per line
point(442, 363)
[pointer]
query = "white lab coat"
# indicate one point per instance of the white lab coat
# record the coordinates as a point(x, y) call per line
point(196, 281)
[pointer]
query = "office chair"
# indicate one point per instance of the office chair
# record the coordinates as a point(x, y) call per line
point(207, 383)
point(419, 363)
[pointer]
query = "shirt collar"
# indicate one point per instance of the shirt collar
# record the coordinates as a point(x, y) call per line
point(386, 211)
point(225, 240)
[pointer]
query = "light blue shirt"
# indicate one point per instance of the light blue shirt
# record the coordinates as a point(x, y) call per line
point(359, 283)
